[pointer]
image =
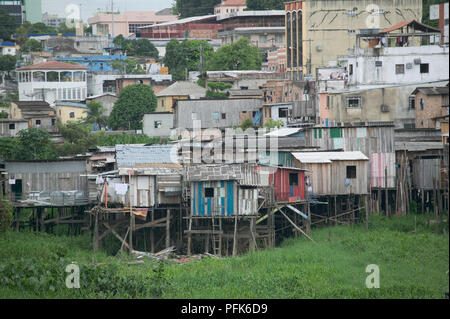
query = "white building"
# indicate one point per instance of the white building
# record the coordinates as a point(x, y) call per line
point(397, 65)
point(7, 48)
point(52, 81)
point(158, 124)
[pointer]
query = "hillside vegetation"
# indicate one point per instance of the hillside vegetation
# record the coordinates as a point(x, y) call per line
point(413, 264)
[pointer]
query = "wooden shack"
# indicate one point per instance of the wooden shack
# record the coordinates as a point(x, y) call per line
point(335, 173)
point(288, 184)
point(56, 182)
point(224, 190)
point(151, 174)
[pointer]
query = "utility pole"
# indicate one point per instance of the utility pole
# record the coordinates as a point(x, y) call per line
point(112, 15)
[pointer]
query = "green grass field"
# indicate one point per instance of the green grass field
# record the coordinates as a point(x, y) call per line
point(412, 265)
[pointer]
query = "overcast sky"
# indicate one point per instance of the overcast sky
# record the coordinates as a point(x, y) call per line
point(89, 7)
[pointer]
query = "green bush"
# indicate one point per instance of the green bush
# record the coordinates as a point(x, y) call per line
point(6, 214)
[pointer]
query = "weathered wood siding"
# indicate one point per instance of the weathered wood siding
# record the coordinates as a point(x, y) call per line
point(48, 176)
point(376, 142)
point(425, 172)
point(330, 179)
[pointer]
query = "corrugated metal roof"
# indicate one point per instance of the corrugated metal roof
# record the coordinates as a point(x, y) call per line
point(418, 146)
point(285, 131)
point(180, 21)
point(328, 157)
point(138, 155)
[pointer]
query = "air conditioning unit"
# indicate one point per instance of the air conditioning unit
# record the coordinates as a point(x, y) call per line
point(384, 108)
point(409, 65)
point(417, 61)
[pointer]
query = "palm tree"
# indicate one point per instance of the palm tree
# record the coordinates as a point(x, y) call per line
point(95, 114)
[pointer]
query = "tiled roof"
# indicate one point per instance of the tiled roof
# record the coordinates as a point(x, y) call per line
point(432, 90)
point(402, 24)
point(233, 3)
point(52, 65)
point(182, 88)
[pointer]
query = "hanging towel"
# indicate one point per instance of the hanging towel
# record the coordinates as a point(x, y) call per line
point(99, 180)
point(121, 189)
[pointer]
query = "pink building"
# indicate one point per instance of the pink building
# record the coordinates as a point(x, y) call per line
point(126, 24)
point(229, 6)
point(277, 60)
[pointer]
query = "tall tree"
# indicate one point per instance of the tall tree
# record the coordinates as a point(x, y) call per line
point(191, 8)
point(34, 144)
point(189, 55)
point(266, 4)
point(7, 25)
point(7, 64)
point(31, 45)
point(426, 12)
point(96, 114)
point(240, 55)
point(134, 101)
point(77, 138)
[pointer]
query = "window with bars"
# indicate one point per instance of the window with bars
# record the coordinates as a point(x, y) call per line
point(353, 102)
point(399, 69)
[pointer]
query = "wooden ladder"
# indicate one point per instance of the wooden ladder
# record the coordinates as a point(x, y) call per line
point(217, 235)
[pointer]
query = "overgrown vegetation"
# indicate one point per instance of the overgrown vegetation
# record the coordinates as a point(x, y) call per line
point(35, 266)
point(412, 258)
point(133, 102)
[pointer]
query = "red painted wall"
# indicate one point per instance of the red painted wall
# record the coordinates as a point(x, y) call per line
point(283, 191)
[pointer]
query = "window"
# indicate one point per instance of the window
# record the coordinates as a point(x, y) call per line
point(378, 63)
point(53, 122)
point(282, 113)
point(354, 102)
point(72, 115)
point(158, 124)
point(424, 68)
point(244, 87)
point(38, 122)
point(209, 192)
point(293, 179)
point(399, 69)
point(224, 116)
point(351, 171)
point(412, 102)
point(328, 101)
point(12, 126)
point(421, 104)
point(350, 72)
point(216, 115)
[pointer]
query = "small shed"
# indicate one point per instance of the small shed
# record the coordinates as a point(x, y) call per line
point(288, 183)
point(150, 176)
point(224, 189)
point(58, 182)
point(335, 173)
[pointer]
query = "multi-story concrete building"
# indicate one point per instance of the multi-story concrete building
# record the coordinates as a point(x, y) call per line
point(320, 31)
point(126, 24)
point(15, 8)
point(52, 20)
point(230, 6)
point(430, 104)
point(201, 27)
point(52, 81)
point(265, 29)
point(33, 11)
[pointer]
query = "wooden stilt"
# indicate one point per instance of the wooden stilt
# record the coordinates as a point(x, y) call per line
point(235, 238)
point(189, 246)
point(95, 244)
point(168, 229)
